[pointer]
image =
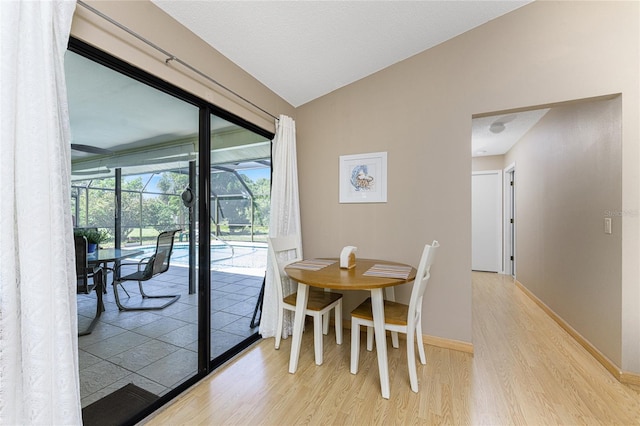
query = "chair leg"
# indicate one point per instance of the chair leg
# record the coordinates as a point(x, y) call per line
point(338, 313)
point(411, 361)
point(172, 299)
point(279, 327)
point(115, 285)
point(125, 290)
point(99, 304)
point(113, 271)
point(355, 345)
point(369, 339)
point(420, 342)
point(394, 339)
point(147, 296)
point(317, 337)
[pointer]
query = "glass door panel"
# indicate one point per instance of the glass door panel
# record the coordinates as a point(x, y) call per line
point(239, 198)
point(133, 146)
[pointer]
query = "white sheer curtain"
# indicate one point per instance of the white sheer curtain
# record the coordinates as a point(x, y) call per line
point(284, 219)
point(39, 378)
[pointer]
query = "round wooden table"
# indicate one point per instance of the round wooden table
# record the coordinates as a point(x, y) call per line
point(335, 278)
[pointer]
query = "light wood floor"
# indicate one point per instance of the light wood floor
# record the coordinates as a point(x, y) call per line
point(525, 370)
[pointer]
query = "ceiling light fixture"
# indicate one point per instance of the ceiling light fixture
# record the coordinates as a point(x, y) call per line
point(497, 127)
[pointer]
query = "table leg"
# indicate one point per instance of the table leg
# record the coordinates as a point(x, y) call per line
point(377, 304)
point(99, 277)
point(298, 323)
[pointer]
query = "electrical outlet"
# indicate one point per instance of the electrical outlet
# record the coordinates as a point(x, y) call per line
point(607, 225)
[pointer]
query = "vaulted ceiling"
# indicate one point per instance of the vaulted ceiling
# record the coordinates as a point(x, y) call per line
point(302, 50)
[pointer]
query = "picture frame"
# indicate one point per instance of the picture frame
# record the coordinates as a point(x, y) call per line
point(363, 178)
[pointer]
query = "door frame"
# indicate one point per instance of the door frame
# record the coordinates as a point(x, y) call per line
point(509, 232)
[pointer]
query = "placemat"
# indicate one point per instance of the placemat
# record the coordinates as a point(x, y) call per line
point(312, 264)
point(389, 271)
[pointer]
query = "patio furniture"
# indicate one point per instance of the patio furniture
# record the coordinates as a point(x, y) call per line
point(148, 268)
point(104, 256)
point(398, 317)
point(89, 277)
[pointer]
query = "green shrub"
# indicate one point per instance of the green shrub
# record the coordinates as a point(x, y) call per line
point(93, 236)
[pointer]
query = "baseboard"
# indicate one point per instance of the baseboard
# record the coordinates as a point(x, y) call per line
point(630, 378)
point(439, 342)
point(622, 376)
point(455, 345)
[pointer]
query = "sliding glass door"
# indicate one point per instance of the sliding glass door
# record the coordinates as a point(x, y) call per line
point(148, 158)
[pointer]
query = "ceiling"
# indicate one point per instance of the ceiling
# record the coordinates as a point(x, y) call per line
point(302, 50)
point(495, 135)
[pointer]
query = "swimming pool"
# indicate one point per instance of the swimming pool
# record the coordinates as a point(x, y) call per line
point(237, 257)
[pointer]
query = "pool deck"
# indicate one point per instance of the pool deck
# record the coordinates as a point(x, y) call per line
point(157, 350)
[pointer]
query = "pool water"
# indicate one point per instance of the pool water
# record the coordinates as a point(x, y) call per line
point(245, 258)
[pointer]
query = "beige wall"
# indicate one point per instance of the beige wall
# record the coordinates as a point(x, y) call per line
point(490, 162)
point(568, 178)
point(420, 111)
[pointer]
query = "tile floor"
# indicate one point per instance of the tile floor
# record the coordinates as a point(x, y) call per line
point(157, 350)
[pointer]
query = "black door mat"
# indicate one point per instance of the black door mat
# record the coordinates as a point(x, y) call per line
point(118, 407)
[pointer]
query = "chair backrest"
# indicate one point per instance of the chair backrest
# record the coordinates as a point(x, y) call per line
point(82, 264)
point(159, 262)
point(283, 251)
point(422, 278)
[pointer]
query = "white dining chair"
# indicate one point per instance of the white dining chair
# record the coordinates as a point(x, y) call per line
point(320, 302)
point(398, 317)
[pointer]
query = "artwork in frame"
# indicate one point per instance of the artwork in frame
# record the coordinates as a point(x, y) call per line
point(363, 178)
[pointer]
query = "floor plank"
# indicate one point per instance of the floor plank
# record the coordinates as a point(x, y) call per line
point(525, 370)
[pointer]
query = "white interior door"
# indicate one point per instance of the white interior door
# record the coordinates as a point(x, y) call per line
point(486, 221)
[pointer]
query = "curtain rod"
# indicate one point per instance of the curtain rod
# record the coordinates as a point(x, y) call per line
point(170, 56)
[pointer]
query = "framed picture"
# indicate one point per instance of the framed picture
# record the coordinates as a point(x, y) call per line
point(363, 178)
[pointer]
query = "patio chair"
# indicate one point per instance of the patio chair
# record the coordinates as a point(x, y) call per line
point(105, 269)
point(398, 317)
point(148, 268)
point(88, 279)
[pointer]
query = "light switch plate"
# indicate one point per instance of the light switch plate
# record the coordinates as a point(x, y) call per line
point(607, 225)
